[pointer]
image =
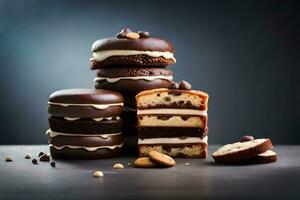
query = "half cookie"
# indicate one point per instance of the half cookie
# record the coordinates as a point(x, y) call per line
point(240, 151)
point(85, 123)
point(173, 122)
point(263, 158)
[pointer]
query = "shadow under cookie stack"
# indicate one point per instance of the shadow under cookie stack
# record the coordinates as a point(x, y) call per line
point(129, 63)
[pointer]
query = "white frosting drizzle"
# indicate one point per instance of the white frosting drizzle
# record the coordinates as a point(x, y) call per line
point(97, 106)
point(54, 134)
point(268, 153)
point(171, 111)
point(173, 140)
point(72, 118)
point(86, 148)
point(102, 55)
point(98, 119)
point(147, 78)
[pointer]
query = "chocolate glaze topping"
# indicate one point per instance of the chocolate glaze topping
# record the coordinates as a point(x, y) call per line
point(85, 96)
point(141, 44)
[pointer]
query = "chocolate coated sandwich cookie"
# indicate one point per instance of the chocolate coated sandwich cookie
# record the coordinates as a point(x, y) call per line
point(239, 151)
point(132, 80)
point(132, 49)
point(85, 123)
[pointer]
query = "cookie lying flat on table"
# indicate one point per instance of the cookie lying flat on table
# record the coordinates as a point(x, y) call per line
point(239, 151)
point(161, 159)
point(144, 162)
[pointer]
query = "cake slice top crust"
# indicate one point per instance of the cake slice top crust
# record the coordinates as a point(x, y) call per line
point(172, 98)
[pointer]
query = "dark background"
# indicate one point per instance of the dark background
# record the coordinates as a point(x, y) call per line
point(245, 54)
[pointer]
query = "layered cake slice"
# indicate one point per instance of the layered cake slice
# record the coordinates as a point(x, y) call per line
point(173, 121)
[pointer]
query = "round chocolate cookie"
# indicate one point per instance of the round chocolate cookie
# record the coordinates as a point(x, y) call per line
point(85, 126)
point(132, 80)
point(69, 153)
point(117, 72)
point(140, 44)
point(135, 60)
point(82, 146)
point(85, 103)
point(131, 48)
point(93, 141)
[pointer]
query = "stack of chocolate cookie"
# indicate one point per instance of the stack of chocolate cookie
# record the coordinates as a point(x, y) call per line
point(85, 123)
point(129, 63)
point(173, 121)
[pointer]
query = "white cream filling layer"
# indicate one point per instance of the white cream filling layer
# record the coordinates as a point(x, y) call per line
point(268, 153)
point(54, 134)
point(97, 106)
point(98, 119)
point(87, 148)
point(147, 78)
point(173, 140)
point(102, 55)
point(172, 111)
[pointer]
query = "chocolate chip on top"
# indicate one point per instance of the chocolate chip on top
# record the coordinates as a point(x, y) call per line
point(127, 33)
point(123, 33)
point(173, 85)
point(144, 34)
point(45, 158)
point(184, 85)
point(246, 138)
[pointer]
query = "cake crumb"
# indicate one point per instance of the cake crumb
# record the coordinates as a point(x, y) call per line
point(8, 159)
point(118, 166)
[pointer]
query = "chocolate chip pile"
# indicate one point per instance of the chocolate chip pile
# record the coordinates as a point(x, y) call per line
point(127, 33)
point(182, 85)
point(42, 157)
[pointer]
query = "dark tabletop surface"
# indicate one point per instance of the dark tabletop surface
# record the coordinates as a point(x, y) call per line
point(202, 179)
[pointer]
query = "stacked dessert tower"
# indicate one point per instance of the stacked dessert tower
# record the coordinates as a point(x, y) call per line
point(85, 123)
point(130, 63)
point(132, 86)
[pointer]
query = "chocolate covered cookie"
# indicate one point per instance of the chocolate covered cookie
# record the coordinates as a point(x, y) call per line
point(132, 49)
point(132, 80)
